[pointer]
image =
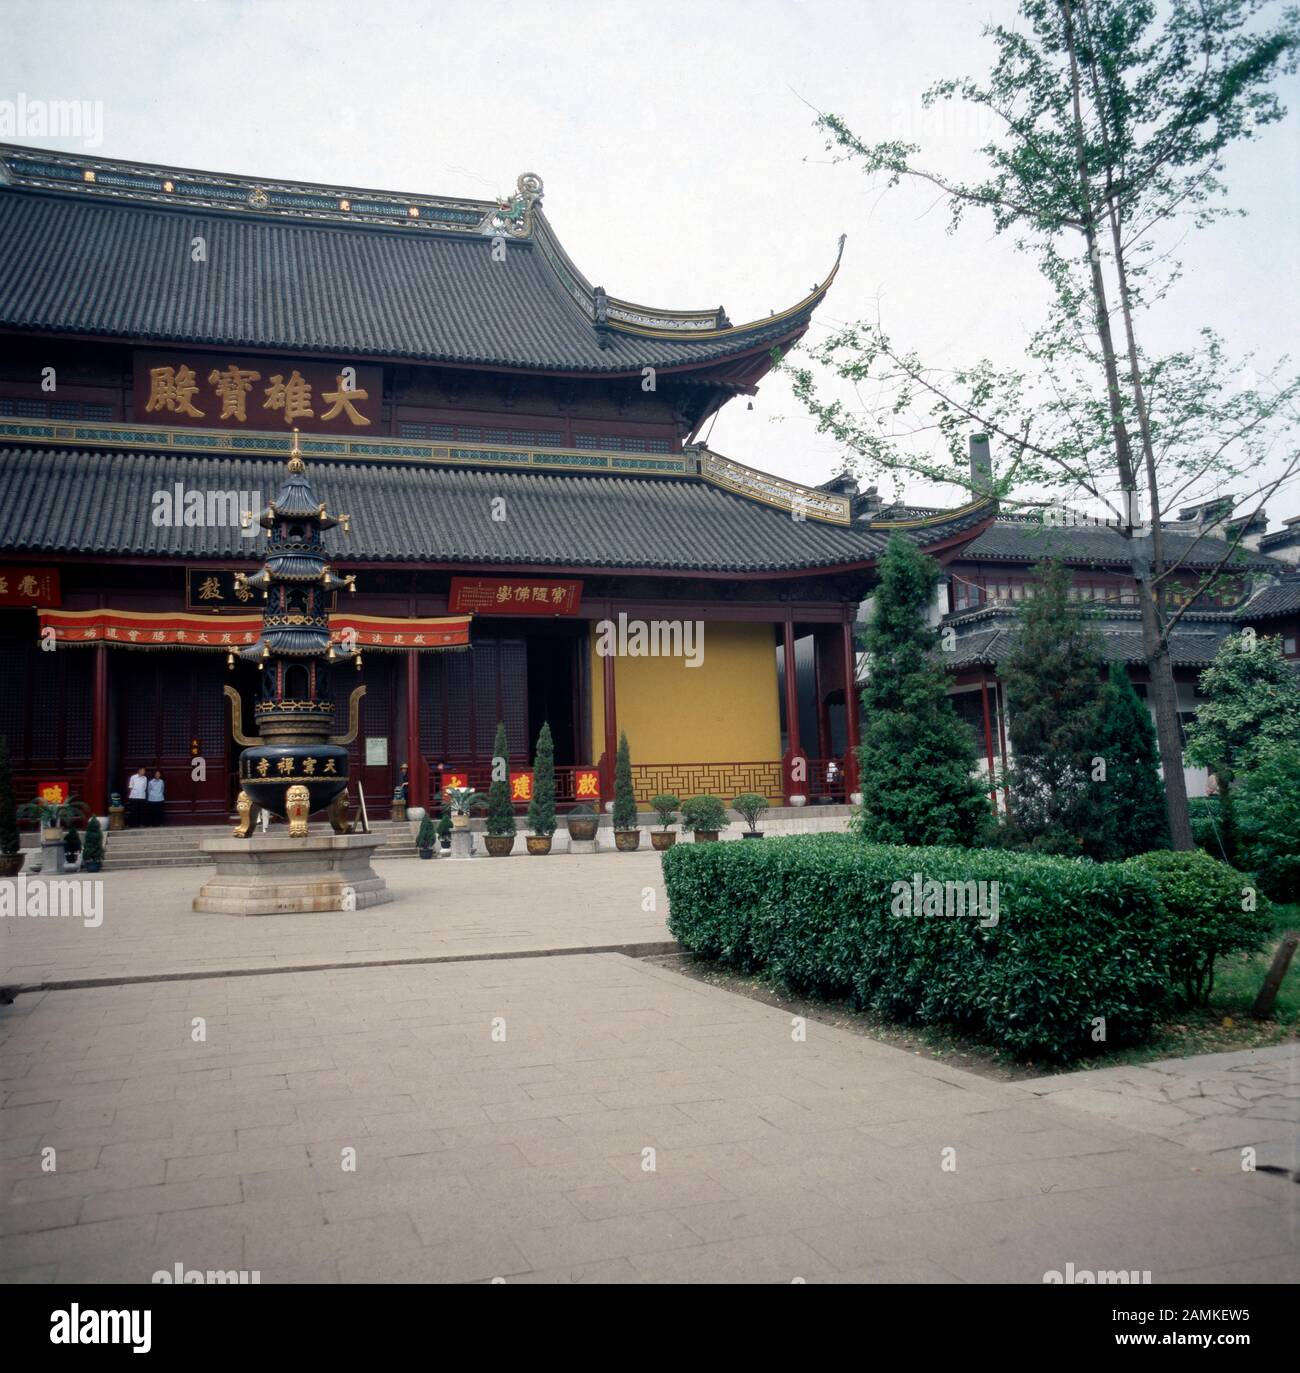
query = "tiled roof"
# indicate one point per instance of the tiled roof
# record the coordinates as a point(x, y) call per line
point(55, 500)
point(123, 269)
point(1026, 541)
point(987, 644)
point(1280, 599)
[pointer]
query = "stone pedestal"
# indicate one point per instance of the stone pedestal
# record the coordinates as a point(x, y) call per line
point(273, 874)
point(52, 857)
point(582, 846)
point(462, 844)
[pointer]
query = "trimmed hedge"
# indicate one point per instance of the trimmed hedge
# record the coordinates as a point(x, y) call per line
point(1074, 941)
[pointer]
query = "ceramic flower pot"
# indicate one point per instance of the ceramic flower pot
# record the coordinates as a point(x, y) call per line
point(663, 839)
point(460, 822)
point(627, 841)
point(752, 834)
point(706, 836)
point(499, 845)
point(426, 853)
point(11, 864)
point(583, 827)
point(539, 844)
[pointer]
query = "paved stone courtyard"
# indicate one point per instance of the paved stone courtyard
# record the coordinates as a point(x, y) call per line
point(580, 1117)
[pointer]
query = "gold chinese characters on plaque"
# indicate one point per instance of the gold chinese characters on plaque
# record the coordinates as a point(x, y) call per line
point(216, 391)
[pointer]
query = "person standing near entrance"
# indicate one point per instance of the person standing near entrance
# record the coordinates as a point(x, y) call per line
point(156, 797)
point(137, 793)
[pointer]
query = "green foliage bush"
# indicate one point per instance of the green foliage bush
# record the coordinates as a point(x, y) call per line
point(71, 843)
point(1074, 941)
point(444, 826)
point(665, 806)
point(1203, 811)
point(92, 851)
point(1204, 919)
point(1267, 815)
point(500, 811)
point(703, 813)
point(426, 837)
point(624, 814)
point(541, 809)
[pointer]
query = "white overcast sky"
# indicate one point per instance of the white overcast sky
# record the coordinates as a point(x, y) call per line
point(675, 140)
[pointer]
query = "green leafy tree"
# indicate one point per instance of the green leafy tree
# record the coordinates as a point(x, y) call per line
point(916, 758)
point(1112, 123)
point(1052, 681)
point(1252, 702)
point(1267, 813)
point(1129, 803)
point(426, 836)
point(624, 816)
point(500, 811)
point(541, 809)
point(10, 840)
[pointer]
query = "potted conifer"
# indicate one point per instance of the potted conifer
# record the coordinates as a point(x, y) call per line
point(92, 852)
point(665, 807)
point(541, 809)
point(752, 807)
point(705, 817)
point(71, 845)
point(500, 827)
point(626, 835)
point(12, 856)
point(427, 838)
point(444, 830)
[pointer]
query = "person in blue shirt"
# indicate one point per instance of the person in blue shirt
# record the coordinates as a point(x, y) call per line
point(157, 794)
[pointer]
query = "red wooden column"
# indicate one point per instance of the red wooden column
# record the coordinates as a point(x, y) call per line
point(97, 777)
point(794, 786)
point(611, 726)
point(851, 704)
point(414, 770)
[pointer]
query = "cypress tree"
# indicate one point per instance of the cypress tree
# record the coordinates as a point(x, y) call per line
point(1129, 804)
point(500, 814)
point(541, 809)
point(916, 759)
point(1052, 679)
point(624, 817)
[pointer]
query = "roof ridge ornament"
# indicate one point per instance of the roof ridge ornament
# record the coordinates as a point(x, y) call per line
point(513, 215)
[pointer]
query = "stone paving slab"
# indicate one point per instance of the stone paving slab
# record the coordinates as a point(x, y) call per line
point(1219, 1103)
point(584, 1118)
point(443, 909)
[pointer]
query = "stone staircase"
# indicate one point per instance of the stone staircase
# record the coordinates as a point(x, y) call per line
point(177, 846)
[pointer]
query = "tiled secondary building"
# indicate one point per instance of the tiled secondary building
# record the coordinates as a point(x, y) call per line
point(519, 451)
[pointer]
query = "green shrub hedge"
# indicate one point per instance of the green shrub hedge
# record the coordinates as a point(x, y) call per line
point(1075, 942)
point(1205, 918)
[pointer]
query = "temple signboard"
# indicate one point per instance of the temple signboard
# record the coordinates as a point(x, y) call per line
point(30, 586)
point(203, 390)
point(513, 596)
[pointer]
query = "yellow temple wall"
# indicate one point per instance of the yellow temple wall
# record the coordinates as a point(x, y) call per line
point(724, 711)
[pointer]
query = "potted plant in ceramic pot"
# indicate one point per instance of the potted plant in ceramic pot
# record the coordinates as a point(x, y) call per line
point(500, 827)
point(582, 823)
point(92, 851)
point(665, 807)
point(444, 830)
point(627, 836)
point(541, 808)
point(705, 817)
point(751, 807)
point(459, 801)
point(71, 846)
point(12, 856)
point(426, 839)
point(53, 816)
